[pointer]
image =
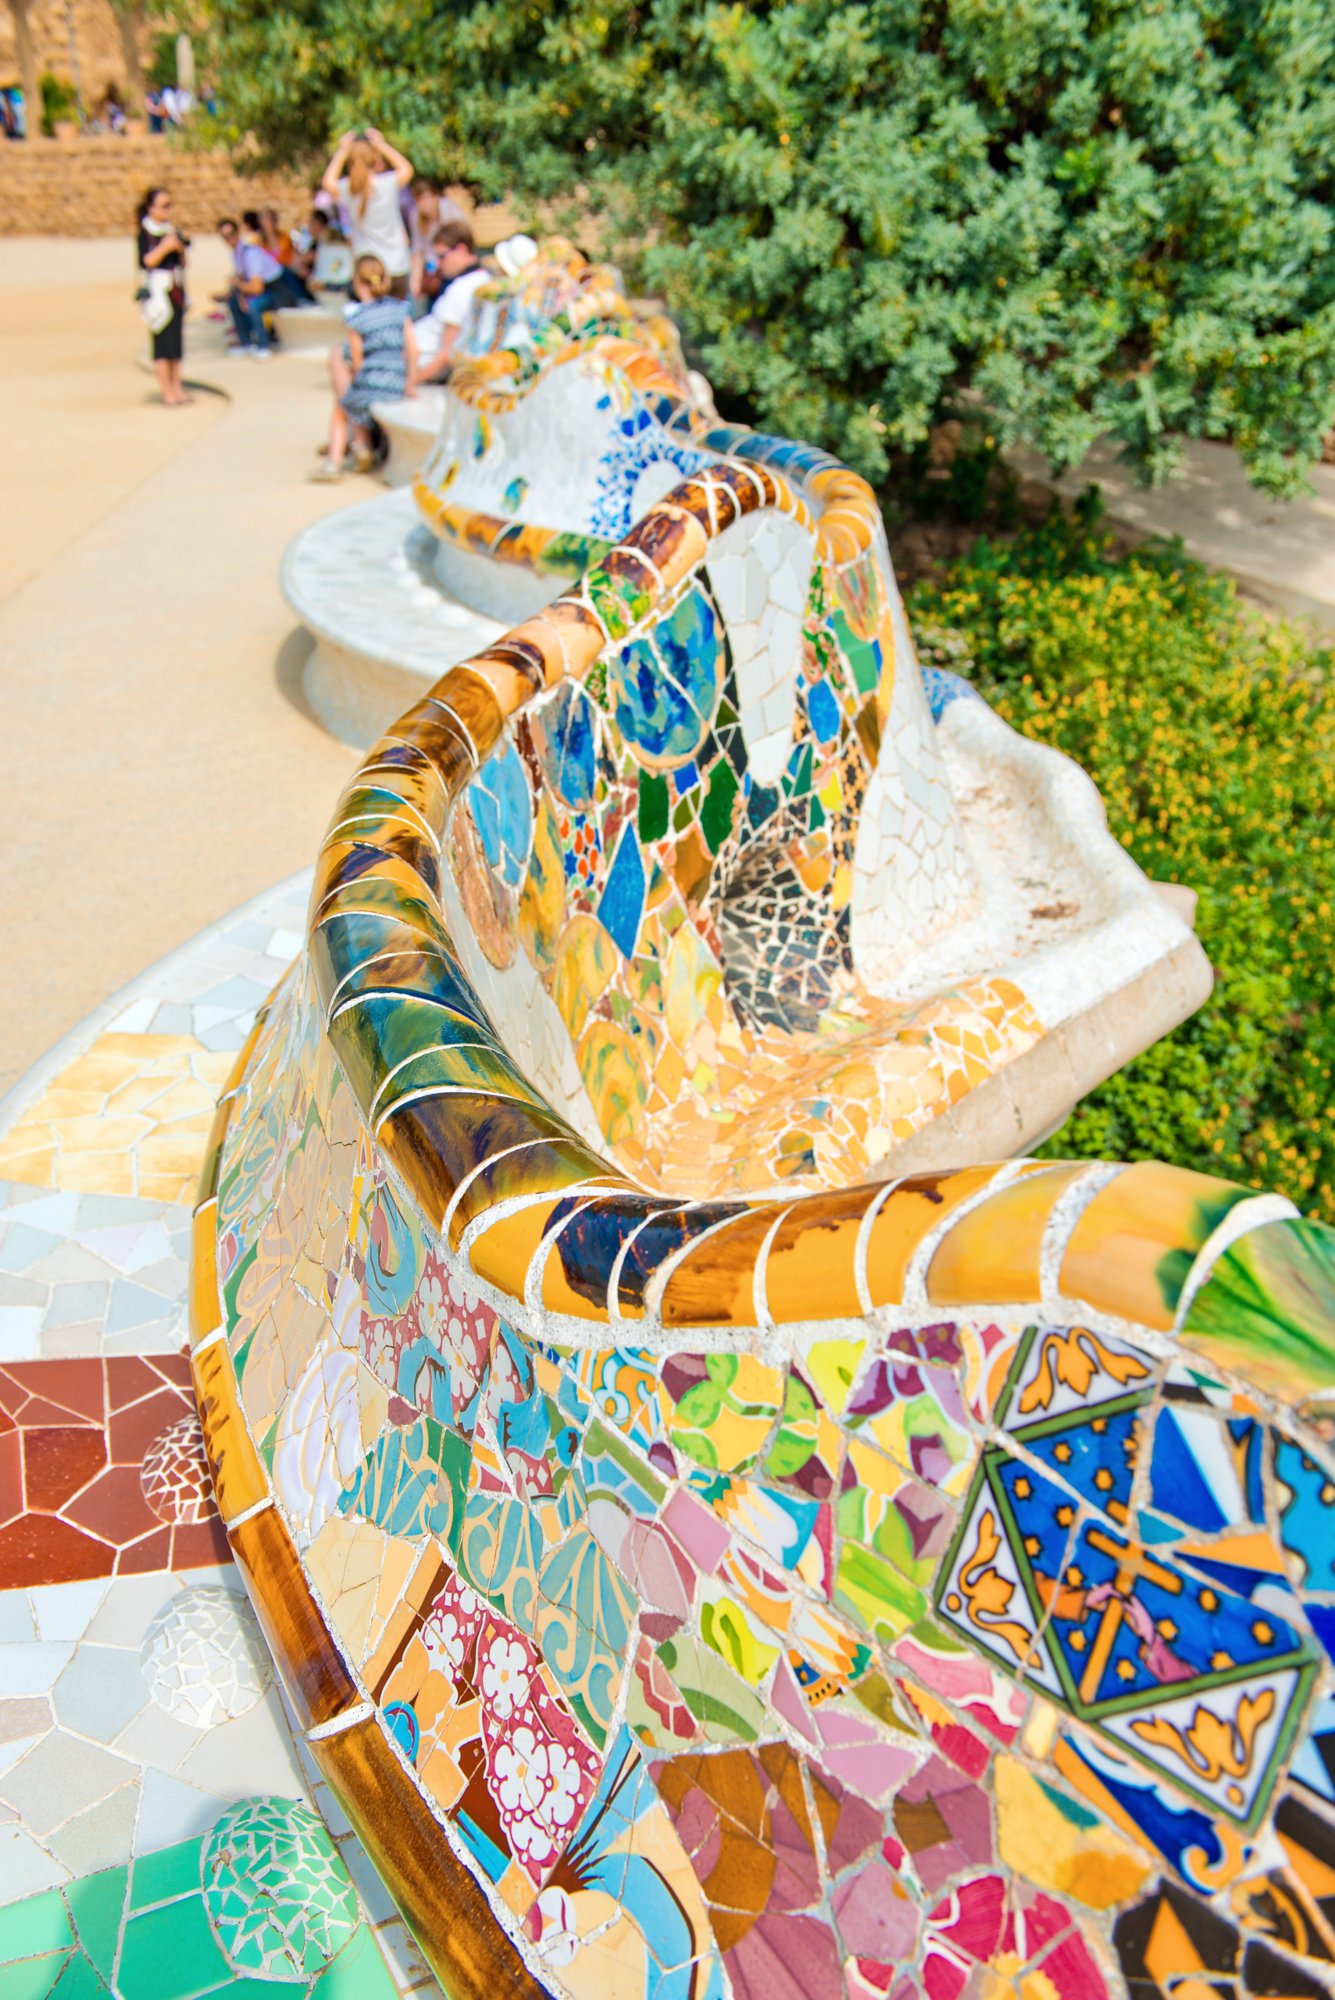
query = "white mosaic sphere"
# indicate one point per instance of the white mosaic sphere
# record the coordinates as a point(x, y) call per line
point(203, 1657)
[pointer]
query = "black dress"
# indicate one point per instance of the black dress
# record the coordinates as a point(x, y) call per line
point(169, 343)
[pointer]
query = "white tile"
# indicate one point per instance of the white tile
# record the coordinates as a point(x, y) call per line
point(25, 1867)
point(170, 1811)
point(32, 1669)
point(16, 1619)
point(63, 1610)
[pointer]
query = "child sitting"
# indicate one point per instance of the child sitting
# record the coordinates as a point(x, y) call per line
point(378, 359)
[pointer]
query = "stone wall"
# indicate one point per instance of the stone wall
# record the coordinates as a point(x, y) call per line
point(91, 186)
point(97, 38)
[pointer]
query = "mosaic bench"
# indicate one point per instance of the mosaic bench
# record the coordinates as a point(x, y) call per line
point(950, 911)
point(700, 1566)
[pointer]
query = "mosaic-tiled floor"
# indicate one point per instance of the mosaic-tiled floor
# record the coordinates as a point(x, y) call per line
point(163, 1834)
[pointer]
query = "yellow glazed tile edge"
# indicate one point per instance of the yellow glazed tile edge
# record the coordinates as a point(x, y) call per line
point(815, 1587)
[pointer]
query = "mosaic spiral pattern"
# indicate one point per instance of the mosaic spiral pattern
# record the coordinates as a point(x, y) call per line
point(903, 1591)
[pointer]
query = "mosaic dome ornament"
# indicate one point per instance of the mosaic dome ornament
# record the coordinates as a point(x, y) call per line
point(203, 1657)
point(174, 1477)
point(278, 1899)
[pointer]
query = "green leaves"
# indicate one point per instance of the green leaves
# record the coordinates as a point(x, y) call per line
point(1101, 216)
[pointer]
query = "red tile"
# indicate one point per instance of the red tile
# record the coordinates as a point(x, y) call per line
point(75, 1386)
point(129, 1377)
point(114, 1507)
point(41, 1411)
point(41, 1548)
point(11, 1475)
point(200, 1544)
point(173, 1368)
point(73, 1435)
point(151, 1554)
point(58, 1464)
point(130, 1432)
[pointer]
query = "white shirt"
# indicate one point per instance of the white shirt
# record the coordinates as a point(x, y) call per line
point(380, 232)
point(451, 308)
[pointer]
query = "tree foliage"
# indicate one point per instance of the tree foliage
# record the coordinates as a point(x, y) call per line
point(1096, 215)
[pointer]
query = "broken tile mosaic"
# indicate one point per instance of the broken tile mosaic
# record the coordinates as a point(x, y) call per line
point(701, 1566)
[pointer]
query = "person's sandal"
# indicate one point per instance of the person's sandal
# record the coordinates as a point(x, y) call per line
point(327, 474)
point(363, 461)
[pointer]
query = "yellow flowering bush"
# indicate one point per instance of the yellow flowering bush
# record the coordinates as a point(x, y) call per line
point(1210, 732)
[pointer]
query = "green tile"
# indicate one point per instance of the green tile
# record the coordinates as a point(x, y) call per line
point(97, 1902)
point(358, 1972)
point(161, 1877)
point(716, 814)
point(264, 1989)
point(38, 1923)
point(170, 1954)
point(652, 806)
point(79, 1981)
point(32, 1978)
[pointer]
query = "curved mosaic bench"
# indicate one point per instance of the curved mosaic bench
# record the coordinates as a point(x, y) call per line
point(701, 1569)
point(950, 910)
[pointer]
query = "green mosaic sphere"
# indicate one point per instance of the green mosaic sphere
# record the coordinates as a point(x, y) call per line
point(277, 1895)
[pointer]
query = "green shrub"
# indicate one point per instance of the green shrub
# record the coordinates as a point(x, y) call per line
point(59, 102)
point(1210, 732)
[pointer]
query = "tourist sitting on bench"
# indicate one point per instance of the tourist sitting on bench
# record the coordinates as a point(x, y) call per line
point(438, 331)
point(376, 365)
point(262, 285)
point(278, 242)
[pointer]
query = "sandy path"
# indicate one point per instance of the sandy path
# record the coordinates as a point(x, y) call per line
point(156, 765)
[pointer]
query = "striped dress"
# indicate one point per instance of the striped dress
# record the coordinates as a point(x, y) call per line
point(382, 377)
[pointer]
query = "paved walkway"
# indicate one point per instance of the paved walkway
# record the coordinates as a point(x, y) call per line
point(1282, 552)
point(156, 765)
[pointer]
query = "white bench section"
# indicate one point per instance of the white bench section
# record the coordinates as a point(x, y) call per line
point(412, 425)
point(317, 327)
point(362, 582)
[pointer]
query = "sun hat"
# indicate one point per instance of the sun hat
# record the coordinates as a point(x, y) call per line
point(514, 253)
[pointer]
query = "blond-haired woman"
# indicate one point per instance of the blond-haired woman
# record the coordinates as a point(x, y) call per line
point(367, 177)
point(381, 357)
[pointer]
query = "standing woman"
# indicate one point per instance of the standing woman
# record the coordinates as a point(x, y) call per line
point(366, 177)
point(162, 295)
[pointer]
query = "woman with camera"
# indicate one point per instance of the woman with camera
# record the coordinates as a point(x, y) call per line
point(162, 291)
point(366, 177)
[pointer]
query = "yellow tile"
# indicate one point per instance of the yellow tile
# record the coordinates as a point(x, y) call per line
point(990, 1256)
point(1056, 1848)
point(205, 1307)
point(1131, 1249)
point(160, 1187)
point(62, 1103)
point(101, 1072)
point(29, 1157)
point(183, 1098)
point(97, 1173)
point(101, 1135)
point(239, 1479)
